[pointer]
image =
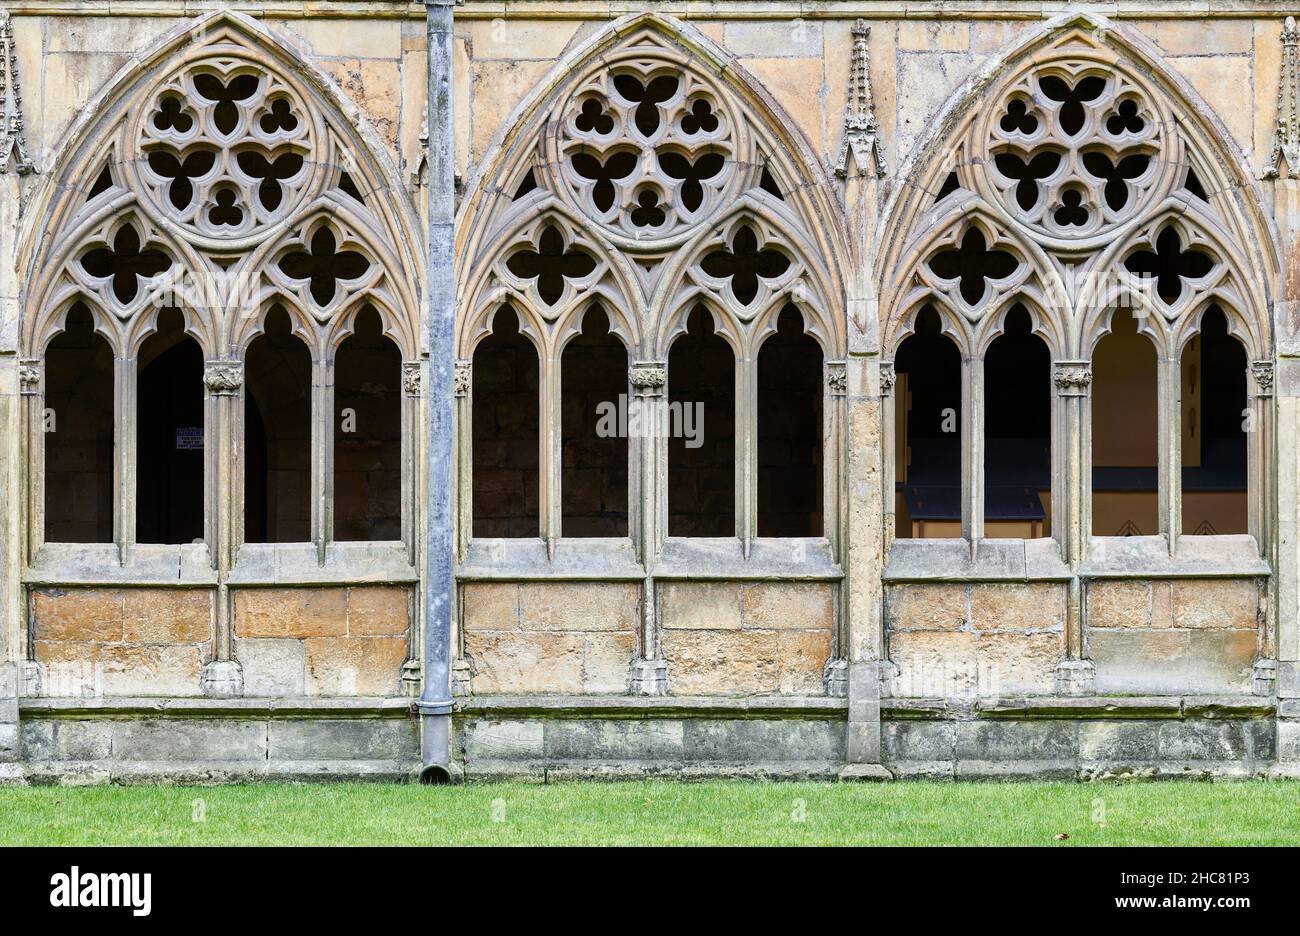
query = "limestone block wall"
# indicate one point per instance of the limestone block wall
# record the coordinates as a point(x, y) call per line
point(322, 641)
point(536, 637)
point(969, 640)
point(121, 641)
point(1163, 636)
point(746, 638)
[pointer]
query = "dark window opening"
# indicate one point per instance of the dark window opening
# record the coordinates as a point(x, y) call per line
point(790, 430)
point(702, 455)
point(78, 423)
point(1017, 432)
point(927, 432)
point(368, 433)
point(170, 435)
point(594, 409)
point(277, 435)
point(950, 184)
point(506, 432)
point(1125, 427)
point(1215, 413)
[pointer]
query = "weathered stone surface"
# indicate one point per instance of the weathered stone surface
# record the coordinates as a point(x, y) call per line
point(66, 739)
point(291, 612)
point(341, 739)
point(729, 662)
point(1171, 661)
point(927, 607)
point(368, 666)
point(151, 670)
point(378, 612)
point(803, 656)
point(514, 662)
point(1230, 603)
point(272, 666)
point(700, 605)
point(650, 739)
point(198, 740)
point(787, 605)
point(759, 740)
point(935, 663)
point(490, 606)
point(1119, 604)
point(1011, 664)
point(578, 606)
point(78, 614)
point(154, 616)
point(511, 739)
point(1017, 607)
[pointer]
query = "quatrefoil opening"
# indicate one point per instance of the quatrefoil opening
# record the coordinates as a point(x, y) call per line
point(1169, 264)
point(744, 264)
point(972, 264)
point(324, 265)
point(551, 264)
point(126, 261)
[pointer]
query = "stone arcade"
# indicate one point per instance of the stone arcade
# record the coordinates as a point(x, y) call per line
point(309, 311)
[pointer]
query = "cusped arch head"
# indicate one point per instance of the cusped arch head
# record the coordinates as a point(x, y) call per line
point(651, 132)
point(1132, 105)
point(125, 127)
point(549, 261)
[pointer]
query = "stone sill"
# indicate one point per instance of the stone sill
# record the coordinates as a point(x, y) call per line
point(564, 706)
point(304, 706)
point(1084, 707)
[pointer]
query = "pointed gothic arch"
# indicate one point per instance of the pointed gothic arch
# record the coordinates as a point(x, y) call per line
point(1084, 158)
point(220, 173)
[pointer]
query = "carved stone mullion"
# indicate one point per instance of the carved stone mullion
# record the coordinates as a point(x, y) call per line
point(1072, 378)
point(1262, 373)
point(223, 378)
point(411, 378)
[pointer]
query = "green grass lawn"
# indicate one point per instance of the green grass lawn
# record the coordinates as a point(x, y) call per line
point(657, 813)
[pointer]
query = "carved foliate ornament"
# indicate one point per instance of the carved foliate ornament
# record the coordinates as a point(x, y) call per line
point(462, 377)
point(648, 376)
point(1262, 372)
point(13, 144)
point(1072, 378)
point(411, 378)
point(837, 378)
point(1286, 131)
point(861, 138)
point(223, 378)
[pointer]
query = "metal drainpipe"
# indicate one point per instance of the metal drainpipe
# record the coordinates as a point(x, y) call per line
point(435, 701)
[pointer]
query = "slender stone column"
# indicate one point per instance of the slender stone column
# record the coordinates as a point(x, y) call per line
point(435, 701)
point(649, 674)
point(223, 677)
point(1075, 676)
point(412, 681)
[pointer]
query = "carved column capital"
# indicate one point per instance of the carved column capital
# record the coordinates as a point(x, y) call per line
point(648, 376)
point(1072, 378)
point(29, 377)
point(1262, 372)
point(462, 378)
point(837, 378)
point(887, 378)
point(223, 378)
point(411, 378)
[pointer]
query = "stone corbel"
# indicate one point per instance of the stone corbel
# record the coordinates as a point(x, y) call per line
point(837, 378)
point(29, 377)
